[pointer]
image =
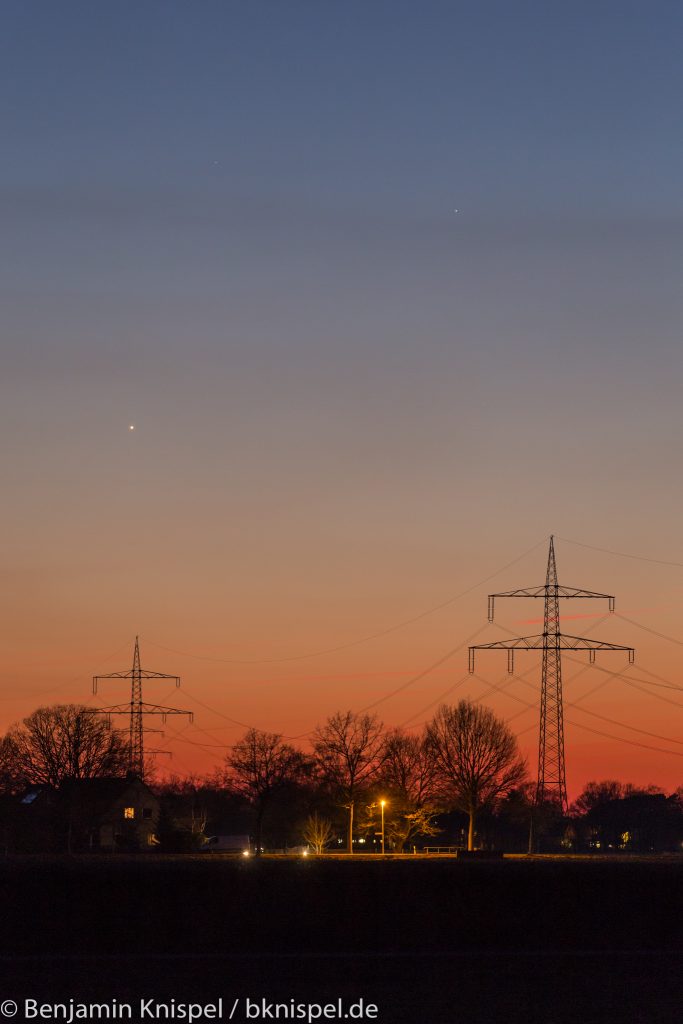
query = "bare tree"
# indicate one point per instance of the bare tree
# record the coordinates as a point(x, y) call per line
point(409, 775)
point(476, 757)
point(63, 742)
point(348, 753)
point(317, 832)
point(10, 782)
point(260, 765)
point(597, 793)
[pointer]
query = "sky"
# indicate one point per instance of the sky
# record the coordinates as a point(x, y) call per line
point(390, 292)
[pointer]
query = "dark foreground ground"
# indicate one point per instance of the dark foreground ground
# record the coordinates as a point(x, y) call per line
point(548, 940)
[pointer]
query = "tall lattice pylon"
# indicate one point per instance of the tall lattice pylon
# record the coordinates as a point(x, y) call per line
point(137, 708)
point(552, 783)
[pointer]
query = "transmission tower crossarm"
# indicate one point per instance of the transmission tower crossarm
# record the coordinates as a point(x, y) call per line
point(141, 674)
point(158, 709)
point(582, 643)
point(115, 709)
point(566, 592)
point(562, 642)
point(566, 642)
point(146, 709)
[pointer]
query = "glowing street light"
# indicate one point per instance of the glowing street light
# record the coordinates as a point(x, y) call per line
point(382, 803)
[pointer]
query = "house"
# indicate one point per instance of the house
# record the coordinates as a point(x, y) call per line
point(81, 816)
point(31, 821)
point(110, 814)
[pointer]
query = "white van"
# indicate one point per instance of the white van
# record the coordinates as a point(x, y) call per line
point(228, 844)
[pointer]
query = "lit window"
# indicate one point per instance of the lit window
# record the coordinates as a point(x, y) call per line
point(129, 812)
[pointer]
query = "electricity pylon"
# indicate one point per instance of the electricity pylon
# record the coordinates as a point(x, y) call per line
point(552, 784)
point(137, 708)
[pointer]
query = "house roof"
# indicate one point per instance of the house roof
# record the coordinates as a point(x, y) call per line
point(98, 795)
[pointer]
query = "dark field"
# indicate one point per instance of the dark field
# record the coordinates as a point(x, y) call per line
point(550, 939)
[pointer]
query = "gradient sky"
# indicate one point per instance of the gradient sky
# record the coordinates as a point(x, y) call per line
point(234, 225)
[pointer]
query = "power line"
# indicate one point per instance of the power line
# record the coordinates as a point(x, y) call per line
point(657, 696)
point(620, 739)
point(500, 687)
point(503, 689)
point(631, 680)
point(450, 689)
point(533, 706)
point(410, 682)
point(666, 684)
point(446, 693)
point(609, 736)
point(196, 743)
point(71, 682)
point(614, 721)
point(647, 629)
point(352, 643)
point(623, 725)
point(634, 680)
point(215, 711)
point(425, 672)
point(189, 773)
point(459, 683)
point(621, 554)
point(387, 696)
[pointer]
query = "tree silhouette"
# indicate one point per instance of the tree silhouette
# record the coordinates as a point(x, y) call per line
point(348, 753)
point(409, 775)
point(597, 793)
point(476, 757)
point(260, 765)
point(65, 741)
point(615, 815)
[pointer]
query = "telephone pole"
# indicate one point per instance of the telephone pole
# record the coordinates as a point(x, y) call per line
point(551, 785)
point(137, 708)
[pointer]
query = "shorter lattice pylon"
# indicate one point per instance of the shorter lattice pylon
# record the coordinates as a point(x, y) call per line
point(137, 708)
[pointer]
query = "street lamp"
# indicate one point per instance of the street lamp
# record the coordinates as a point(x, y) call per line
point(382, 803)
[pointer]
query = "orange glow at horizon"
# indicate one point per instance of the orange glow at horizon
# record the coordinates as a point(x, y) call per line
point(292, 697)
